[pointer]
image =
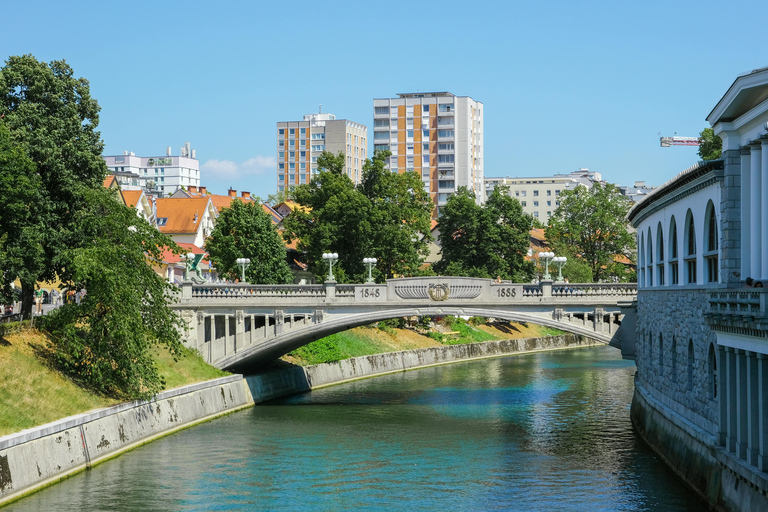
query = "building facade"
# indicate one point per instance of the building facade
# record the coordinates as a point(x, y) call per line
point(300, 143)
point(437, 135)
point(158, 175)
point(701, 391)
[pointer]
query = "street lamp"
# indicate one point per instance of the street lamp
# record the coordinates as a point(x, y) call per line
point(547, 257)
point(331, 257)
point(371, 262)
point(560, 260)
point(244, 264)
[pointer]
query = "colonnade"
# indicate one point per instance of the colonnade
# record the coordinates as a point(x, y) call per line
point(743, 381)
point(754, 209)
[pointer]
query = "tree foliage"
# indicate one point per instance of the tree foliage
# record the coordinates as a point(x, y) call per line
point(710, 145)
point(591, 223)
point(245, 230)
point(387, 217)
point(104, 342)
point(485, 241)
point(51, 117)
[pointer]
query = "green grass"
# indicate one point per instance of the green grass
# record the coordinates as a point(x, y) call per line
point(32, 393)
point(467, 333)
point(335, 347)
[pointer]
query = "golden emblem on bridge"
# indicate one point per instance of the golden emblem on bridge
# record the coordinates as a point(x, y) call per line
point(438, 291)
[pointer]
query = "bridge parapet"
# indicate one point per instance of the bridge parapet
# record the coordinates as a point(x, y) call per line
point(738, 311)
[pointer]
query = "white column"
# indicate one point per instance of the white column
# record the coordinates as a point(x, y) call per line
point(762, 393)
point(741, 404)
point(763, 202)
point(746, 178)
point(755, 228)
point(753, 409)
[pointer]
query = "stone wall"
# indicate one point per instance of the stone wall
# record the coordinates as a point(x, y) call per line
point(40, 456)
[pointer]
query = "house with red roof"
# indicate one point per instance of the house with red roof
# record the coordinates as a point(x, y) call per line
point(186, 220)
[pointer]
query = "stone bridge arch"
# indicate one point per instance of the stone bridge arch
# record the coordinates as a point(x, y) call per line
point(238, 326)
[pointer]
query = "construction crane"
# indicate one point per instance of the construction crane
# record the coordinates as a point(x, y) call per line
point(679, 141)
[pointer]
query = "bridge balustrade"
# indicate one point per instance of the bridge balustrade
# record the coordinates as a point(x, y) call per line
point(741, 308)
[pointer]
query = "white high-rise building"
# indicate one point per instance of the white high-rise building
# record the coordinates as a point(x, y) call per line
point(159, 175)
point(299, 143)
point(436, 134)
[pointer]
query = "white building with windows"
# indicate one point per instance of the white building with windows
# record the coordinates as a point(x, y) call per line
point(437, 135)
point(159, 175)
point(300, 143)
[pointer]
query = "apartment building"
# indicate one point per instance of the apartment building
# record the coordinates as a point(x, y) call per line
point(300, 143)
point(158, 175)
point(539, 196)
point(436, 134)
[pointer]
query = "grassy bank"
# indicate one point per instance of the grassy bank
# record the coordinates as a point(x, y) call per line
point(393, 336)
point(32, 393)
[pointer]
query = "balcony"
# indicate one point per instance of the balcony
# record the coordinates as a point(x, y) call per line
point(745, 308)
point(445, 123)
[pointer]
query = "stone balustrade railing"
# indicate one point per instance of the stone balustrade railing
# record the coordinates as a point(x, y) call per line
point(594, 289)
point(231, 290)
point(747, 308)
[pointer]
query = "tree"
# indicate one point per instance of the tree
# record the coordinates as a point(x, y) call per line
point(51, 116)
point(104, 342)
point(710, 145)
point(244, 230)
point(591, 223)
point(485, 241)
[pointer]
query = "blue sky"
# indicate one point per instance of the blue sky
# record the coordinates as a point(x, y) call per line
point(565, 84)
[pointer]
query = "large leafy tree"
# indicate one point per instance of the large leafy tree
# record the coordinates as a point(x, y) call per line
point(387, 217)
point(104, 342)
point(244, 230)
point(489, 241)
point(51, 116)
point(591, 223)
point(710, 145)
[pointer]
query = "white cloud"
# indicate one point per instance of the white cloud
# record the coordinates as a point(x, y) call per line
point(255, 166)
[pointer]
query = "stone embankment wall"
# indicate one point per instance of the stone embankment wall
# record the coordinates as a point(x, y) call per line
point(299, 379)
point(43, 455)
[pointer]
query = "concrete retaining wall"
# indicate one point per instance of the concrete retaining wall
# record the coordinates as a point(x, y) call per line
point(40, 456)
point(300, 379)
point(721, 480)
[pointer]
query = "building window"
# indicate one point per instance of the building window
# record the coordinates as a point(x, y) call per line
point(661, 355)
point(549, 192)
point(711, 244)
point(292, 132)
point(712, 371)
point(673, 267)
point(303, 131)
point(690, 250)
point(535, 203)
point(690, 365)
point(649, 260)
point(281, 131)
point(381, 111)
point(522, 193)
point(535, 193)
point(660, 254)
point(425, 108)
point(425, 134)
point(524, 203)
point(549, 203)
point(674, 360)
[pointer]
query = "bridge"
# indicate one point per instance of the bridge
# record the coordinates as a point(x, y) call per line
point(237, 326)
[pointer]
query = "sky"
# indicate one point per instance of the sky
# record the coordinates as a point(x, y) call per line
point(565, 84)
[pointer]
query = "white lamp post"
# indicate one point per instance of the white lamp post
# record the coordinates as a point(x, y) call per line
point(547, 256)
point(560, 261)
point(371, 262)
point(189, 257)
point(244, 264)
point(331, 258)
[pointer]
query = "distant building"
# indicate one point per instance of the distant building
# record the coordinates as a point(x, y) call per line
point(437, 135)
point(160, 176)
point(300, 143)
point(636, 192)
point(539, 196)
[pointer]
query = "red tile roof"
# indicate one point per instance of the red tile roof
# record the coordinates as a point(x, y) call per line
point(184, 214)
point(132, 197)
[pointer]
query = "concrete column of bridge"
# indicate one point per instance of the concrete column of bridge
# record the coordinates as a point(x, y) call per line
point(741, 404)
point(330, 291)
point(239, 341)
point(722, 385)
point(731, 398)
point(753, 410)
point(229, 336)
point(755, 231)
point(546, 288)
point(762, 394)
point(746, 214)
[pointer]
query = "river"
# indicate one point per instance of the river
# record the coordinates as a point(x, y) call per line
point(538, 432)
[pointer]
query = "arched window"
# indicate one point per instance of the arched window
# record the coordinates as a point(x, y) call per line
point(690, 365)
point(690, 249)
point(641, 258)
point(660, 254)
point(711, 243)
point(712, 371)
point(674, 360)
point(661, 354)
point(649, 261)
point(673, 267)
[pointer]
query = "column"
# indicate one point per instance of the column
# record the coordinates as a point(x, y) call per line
point(731, 398)
point(762, 397)
point(755, 233)
point(763, 205)
point(753, 409)
point(746, 177)
point(722, 385)
point(741, 404)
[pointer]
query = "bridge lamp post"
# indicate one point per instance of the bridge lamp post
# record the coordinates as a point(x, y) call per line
point(560, 260)
point(190, 256)
point(331, 258)
point(371, 262)
point(244, 264)
point(546, 256)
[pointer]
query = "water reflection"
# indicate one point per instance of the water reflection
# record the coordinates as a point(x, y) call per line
point(546, 431)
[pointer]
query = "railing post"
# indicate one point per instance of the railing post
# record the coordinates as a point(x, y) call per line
point(186, 290)
point(330, 291)
point(546, 288)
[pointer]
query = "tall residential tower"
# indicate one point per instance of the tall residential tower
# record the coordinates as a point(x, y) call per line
point(299, 143)
point(436, 134)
